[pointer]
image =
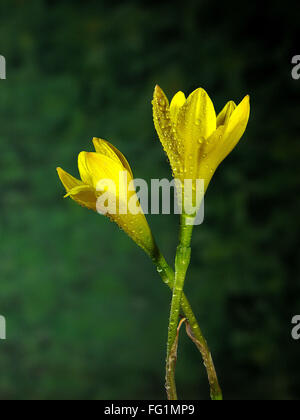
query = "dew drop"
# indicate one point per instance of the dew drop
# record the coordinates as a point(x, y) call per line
point(162, 102)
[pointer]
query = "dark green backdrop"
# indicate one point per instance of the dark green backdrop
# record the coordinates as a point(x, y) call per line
point(86, 311)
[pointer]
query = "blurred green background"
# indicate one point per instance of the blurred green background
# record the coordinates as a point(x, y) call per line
point(86, 312)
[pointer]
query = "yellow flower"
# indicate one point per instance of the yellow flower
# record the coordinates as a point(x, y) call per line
point(106, 177)
point(195, 139)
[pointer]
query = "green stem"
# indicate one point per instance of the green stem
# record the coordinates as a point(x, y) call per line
point(183, 256)
point(182, 261)
point(167, 276)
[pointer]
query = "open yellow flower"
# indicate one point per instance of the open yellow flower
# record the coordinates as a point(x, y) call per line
point(195, 139)
point(106, 177)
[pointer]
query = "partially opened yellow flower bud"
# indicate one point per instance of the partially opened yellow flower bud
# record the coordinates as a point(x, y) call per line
point(194, 138)
point(107, 186)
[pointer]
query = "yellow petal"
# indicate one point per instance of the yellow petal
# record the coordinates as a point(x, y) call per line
point(107, 149)
point(196, 118)
point(79, 189)
point(195, 122)
point(177, 102)
point(222, 141)
point(93, 167)
point(235, 128)
point(224, 116)
point(204, 160)
point(213, 141)
point(165, 129)
point(82, 194)
point(68, 180)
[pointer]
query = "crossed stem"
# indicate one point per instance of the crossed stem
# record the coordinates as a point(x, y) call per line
point(179, 301)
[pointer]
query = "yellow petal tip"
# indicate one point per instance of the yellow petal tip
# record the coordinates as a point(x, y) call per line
point(158, 92)
point(60, 172)
point(160, 97)
point(95, 141)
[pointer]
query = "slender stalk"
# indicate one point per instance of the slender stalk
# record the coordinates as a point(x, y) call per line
point(182, 261)
point(183, 256)
point(167, 275)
